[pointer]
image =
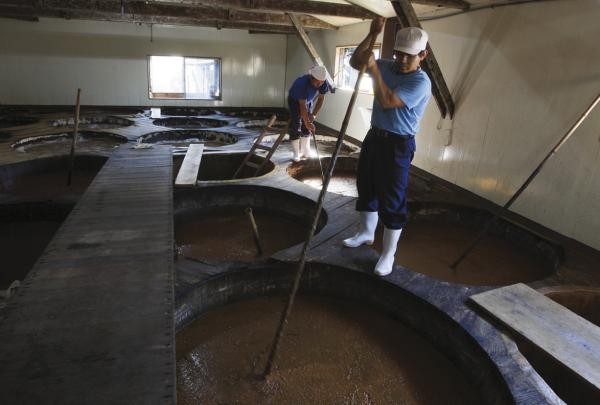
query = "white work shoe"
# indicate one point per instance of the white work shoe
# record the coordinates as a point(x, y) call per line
point(296, 148)
point(305, 150)
point(366, 230)
point(385, 264)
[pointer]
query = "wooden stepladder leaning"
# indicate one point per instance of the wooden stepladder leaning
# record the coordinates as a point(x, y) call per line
point(268, 129)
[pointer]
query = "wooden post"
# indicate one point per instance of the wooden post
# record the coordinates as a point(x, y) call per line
point(311, 49)
point(300, 270)
point(408, 18)
point(76, 129)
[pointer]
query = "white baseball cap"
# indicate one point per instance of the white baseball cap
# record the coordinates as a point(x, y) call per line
point(411, 40)
point(318, 72)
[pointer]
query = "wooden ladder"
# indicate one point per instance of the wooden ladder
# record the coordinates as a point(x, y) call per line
point(258, 145)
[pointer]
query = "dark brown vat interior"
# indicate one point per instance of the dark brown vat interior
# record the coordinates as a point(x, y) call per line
point(211, 222)
point(184, 137)
point(25, 231)
point(189, 122)
point(217, 167)
point(46, 179)
point(350, 338)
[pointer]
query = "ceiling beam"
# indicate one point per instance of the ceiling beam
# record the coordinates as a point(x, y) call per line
point(283, 6)
point(459, 4)
point(30, 13)
point(161, 13)
point(312, 51)
point(408, 18)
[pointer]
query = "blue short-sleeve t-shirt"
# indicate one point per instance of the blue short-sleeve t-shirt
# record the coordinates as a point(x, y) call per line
point(414, 89)
point(302, 89)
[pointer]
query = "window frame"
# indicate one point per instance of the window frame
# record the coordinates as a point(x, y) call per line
point(338, 68)
point(172, 96)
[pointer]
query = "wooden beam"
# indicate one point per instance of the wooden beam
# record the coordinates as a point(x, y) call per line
point(408, 18)
point(285, 6)
point(562, 334)
point(389, 38)
point(459, 4)
point(170, 13)
point(311, 49)
point(27, 17)
point(188, 173)
point(29, 13)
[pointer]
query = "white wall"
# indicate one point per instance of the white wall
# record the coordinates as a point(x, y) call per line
point(520, 77)
point(45, 62)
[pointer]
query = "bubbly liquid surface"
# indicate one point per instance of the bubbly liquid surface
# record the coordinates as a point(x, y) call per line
point(333, 352)
point(228, 235)
point(430, 248)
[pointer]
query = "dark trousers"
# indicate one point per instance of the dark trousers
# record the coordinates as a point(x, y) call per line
point(297, 128)
point(382, 177)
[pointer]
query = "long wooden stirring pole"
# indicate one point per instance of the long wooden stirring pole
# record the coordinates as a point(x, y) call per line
point(300, 270)
point(255, 234)
point(524, 186)
point(72, 155)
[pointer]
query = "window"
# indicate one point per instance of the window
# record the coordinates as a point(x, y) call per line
point(179, 77)
point(345, 75)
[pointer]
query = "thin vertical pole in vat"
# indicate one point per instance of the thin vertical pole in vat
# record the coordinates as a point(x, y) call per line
point(76, 129)
point(338, 146)
point(524, 186)
point(250, 215)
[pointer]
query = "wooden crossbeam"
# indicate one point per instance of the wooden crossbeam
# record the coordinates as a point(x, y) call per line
point(188, 173)
point(285, 6)
point(310, 49)
point(408, 18)
point(141, 11)
point(562, 334)
point(32, 15)
point(459, 4)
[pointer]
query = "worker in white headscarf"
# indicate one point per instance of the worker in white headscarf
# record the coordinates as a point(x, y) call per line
point(402, 90)
point(305, 99)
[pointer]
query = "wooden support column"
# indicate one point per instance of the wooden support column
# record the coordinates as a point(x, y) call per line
point(408, 18)
point(389, 37)
point(311, 49)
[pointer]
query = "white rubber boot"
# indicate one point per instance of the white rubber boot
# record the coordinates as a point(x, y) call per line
point(366, 230)
point(385, 264)
point(305, 150)
point(296, 148)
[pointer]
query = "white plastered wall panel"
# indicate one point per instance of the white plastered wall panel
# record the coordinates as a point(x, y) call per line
point(520, 76)
point(45, 62)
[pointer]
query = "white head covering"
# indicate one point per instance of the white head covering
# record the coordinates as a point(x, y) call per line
point(318, 72)
point(411, 40)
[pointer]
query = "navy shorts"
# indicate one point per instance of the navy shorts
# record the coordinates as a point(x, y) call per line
point(382, 177)
point(297, 128)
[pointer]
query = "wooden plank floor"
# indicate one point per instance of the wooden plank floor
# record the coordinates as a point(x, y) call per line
point(94, 320)
point(564, 335)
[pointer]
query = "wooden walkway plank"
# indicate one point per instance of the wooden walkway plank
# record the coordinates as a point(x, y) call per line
point(188, 174)
point(564, 335)
point(93, 321)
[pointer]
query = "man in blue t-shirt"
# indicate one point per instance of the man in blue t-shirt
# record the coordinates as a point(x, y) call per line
point(303, 109)
point(402, 91)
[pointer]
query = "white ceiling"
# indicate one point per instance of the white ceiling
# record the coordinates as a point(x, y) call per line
point(385, 9)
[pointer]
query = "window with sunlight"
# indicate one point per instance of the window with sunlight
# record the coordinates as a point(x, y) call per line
point(345, 75)
point(182, 77)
